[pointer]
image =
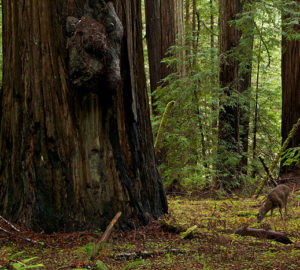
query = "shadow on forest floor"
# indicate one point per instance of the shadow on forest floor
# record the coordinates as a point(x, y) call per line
point(212, 244)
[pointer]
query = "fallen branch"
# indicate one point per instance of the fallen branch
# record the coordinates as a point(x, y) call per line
point(110, 226)
point(18, 236)
point(105, 236)
point(188, 234)
point(8, 223)
point(266, 234)
point(268, 171)
point(147, 254)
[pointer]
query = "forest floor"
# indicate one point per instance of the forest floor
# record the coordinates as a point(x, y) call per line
point(212, 244)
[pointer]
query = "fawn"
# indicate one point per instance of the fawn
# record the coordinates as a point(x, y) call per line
point(276, 198)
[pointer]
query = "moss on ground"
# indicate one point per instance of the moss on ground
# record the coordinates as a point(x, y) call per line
point(212, 245)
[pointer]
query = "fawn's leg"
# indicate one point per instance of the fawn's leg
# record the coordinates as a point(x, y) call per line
point(271, 213)
point(280, 212)
point(285, 207)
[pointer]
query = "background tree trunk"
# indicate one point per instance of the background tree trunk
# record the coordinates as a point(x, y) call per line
point(245, 74)
point(164, 20)
point(155, 54)
point(228, 131)
point(75, 139)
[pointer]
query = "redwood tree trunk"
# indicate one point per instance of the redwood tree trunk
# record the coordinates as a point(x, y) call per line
point(228, 131)
point(164, 20)
point(75, 139)
point(154, 30)
point(235, 79)
point(245, 75)
point(290, 87)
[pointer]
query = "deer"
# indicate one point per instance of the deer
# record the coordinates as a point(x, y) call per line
point(276, 198)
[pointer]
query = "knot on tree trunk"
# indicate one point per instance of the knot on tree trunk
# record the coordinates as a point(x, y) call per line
point(94, 49)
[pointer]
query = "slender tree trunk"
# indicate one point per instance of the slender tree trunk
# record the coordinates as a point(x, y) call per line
point(290, 88)
point(245, 75)
point(254, 154)
point(188, 29)
point(75, 138)
point(215, 95)
point(212, 27)
point(196, 101)
point(194, 25)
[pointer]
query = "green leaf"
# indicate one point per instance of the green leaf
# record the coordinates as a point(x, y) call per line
point(132, 264)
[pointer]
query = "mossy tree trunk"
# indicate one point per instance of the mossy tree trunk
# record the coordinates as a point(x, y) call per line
point(76, 141)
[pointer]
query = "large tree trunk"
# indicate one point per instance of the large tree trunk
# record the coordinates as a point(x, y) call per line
point(290, 88)
point(75, 139)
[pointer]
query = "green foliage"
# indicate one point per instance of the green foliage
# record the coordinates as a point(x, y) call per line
point(101, 265)
point(88, 249)
point(23, 263)
point(163, 119)
point(279, 155)
point(297, 200)
point(129, 265)
point(291, 156)
point(189, 141)
point(187, 134)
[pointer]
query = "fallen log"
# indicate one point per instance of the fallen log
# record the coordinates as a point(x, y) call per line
point(266, 234)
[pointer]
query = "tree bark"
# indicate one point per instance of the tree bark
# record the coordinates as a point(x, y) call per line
point(290, 88)
point(76, 141)
point(235, 80)
point(245, 75)
point(153, 35)
point(228, 130)
point(164, 20)
point(255, 120)
point(188, 30)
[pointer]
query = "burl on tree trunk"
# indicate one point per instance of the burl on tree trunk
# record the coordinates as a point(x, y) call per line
point(76, 141)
